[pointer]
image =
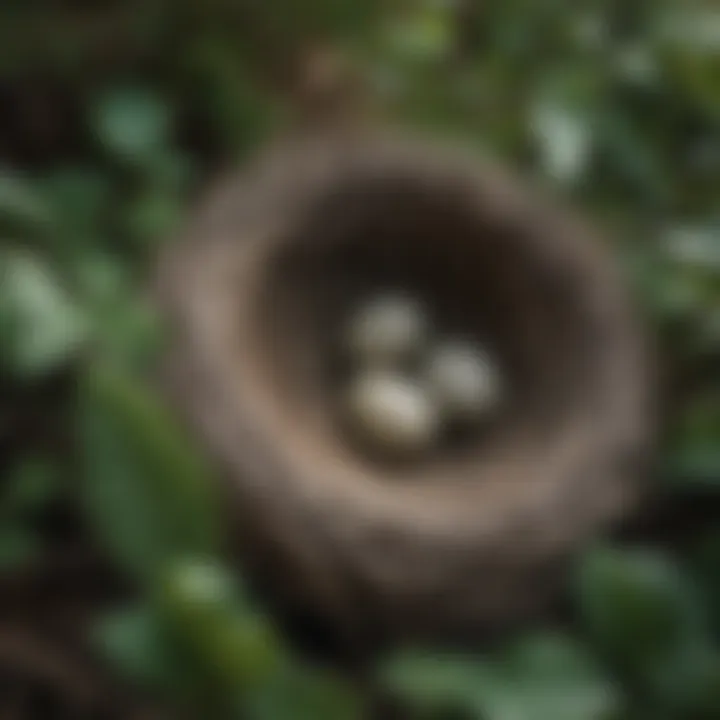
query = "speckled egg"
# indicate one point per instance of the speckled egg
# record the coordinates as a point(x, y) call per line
point(393, 413)
point(386, 331)
point(464, 380)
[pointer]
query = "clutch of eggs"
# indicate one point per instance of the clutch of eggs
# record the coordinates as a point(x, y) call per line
point(406, 389)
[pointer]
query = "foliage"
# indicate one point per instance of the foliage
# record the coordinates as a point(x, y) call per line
point(614, 104)
point(541, 677)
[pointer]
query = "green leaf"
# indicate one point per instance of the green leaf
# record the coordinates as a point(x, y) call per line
point(42, 327)
point(552, 677)
point(133, 640)
point(102, 279)
point(693, 455)
point(564, 138)
point(132, 124)
point(233, 647)
point(172, 171)
point(79, 197)
point(695, 464)
point(637, 64)
point(301, 692)
point(697, 246)
point(153, 215)
point(127, 327)
point(433, 681)
point(635, 164)
point(425, 34)
point(544, 677)
point(638, 607)
point(22, 208)
point(148, 493)
point(131, 332)
point(706, 567)
point(687, 684)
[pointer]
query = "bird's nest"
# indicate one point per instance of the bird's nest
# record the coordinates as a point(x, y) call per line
point(472, 537)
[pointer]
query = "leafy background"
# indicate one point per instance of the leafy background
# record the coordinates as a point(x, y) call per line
point(114, 115)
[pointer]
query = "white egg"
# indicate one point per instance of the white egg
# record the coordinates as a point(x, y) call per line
point(387, 330)
point(464, 380)
point(393, 413)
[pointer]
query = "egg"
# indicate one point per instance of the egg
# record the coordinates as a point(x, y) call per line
point(386, 331)
point(464, 380)
point(392, 413)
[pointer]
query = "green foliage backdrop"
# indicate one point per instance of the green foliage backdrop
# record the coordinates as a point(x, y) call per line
point(113, 115)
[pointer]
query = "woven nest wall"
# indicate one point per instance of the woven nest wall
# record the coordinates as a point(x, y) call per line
point(470, 538)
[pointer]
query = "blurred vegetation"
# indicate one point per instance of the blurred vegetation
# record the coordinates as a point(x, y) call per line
point(112, 117)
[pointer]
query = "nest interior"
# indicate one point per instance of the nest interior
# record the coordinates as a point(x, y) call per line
point(259, 290)
point(479, 282)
